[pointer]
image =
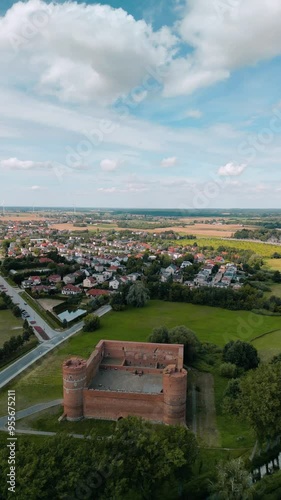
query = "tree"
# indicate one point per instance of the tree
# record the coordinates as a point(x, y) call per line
point(145, 457)
point(277, 277)
point(276, 359)
point(228, 370)
point(16, 311)
point(231, 397)
point(91, 323)
point(233, 481)
point(159, 335)
point(241, 354)
point(260, 400)
point(138, 295)
point(117, 302)
point(182, 335)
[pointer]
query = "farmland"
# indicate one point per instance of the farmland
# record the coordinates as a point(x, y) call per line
point(274, 264)
point(263, 249)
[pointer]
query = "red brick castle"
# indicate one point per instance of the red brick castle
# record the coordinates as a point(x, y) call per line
point(127, 378)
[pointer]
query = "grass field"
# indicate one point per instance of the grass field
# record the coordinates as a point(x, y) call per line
point(43, 381)
point(275, 290)
point(269, 345)
point(262, 249)
point(47, 420)
point(9, 326)
point(274, 264)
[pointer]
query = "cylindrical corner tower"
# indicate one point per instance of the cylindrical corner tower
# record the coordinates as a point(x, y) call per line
point(174, 390)
point(74, 380)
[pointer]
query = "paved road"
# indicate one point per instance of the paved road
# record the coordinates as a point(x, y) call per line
point(56, 338)
point(30, 411)
point(34, 316)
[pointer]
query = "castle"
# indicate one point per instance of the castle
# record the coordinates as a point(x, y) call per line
point(127, 378)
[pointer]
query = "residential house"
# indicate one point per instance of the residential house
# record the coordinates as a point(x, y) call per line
point(35, 280)
point(96, 292)
point(71, 290)
point(54, 278)
point(89, 282)
point(69, 278)
point(100, 278)
point(185, 263)
point(171, 269)
point(114, 284)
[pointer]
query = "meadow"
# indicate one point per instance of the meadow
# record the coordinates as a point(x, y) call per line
point(43, 382)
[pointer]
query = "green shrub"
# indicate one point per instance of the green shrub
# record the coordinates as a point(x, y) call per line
point(229, 370)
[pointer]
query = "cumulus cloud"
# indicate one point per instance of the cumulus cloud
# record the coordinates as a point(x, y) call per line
point(223, 36)
point(108, 165)
point(232, 169)
point(15, 164)
point(84, 52)
point(169, 162)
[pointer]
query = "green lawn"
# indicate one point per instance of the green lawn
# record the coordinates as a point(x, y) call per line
point(269, 345)
point(275, 290)
point(9, 326)
point(47, 420)
point(43, 382)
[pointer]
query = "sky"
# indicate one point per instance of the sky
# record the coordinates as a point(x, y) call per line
point(157, 104)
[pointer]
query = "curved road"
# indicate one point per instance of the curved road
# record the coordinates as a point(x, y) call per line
point(56, 338)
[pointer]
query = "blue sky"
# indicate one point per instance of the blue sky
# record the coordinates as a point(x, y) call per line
point(140, 104)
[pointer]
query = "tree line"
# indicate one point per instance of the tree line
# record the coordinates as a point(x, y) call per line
point(12, 345)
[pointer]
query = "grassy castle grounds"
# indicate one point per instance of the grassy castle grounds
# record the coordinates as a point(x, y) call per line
point(217, 326)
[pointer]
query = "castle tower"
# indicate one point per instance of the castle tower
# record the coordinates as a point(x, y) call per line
point(74, 380)
point(174, 390)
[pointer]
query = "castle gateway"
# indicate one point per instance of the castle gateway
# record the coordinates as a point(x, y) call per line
point(127, 378)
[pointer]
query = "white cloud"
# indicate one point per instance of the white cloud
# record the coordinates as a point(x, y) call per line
point(232, 169)
point(83, 52)
point(15, 164)
point(108, 165)
point(108, 190)
point(224, 36)
point(128, 188)
point(193, 113)
point(36, 188)
point(169, 162)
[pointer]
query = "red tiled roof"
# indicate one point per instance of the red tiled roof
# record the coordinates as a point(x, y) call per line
point(94, 292)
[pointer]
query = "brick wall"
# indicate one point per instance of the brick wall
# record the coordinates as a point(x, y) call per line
point(115, 405)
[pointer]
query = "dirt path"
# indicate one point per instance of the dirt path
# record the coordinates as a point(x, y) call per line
point(201, 410)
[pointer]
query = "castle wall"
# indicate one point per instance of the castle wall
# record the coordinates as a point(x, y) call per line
point(74, 381)
point(174, 390)
point(114, 405)
point(94, 361)
point(169, 406)
point(145, 354)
